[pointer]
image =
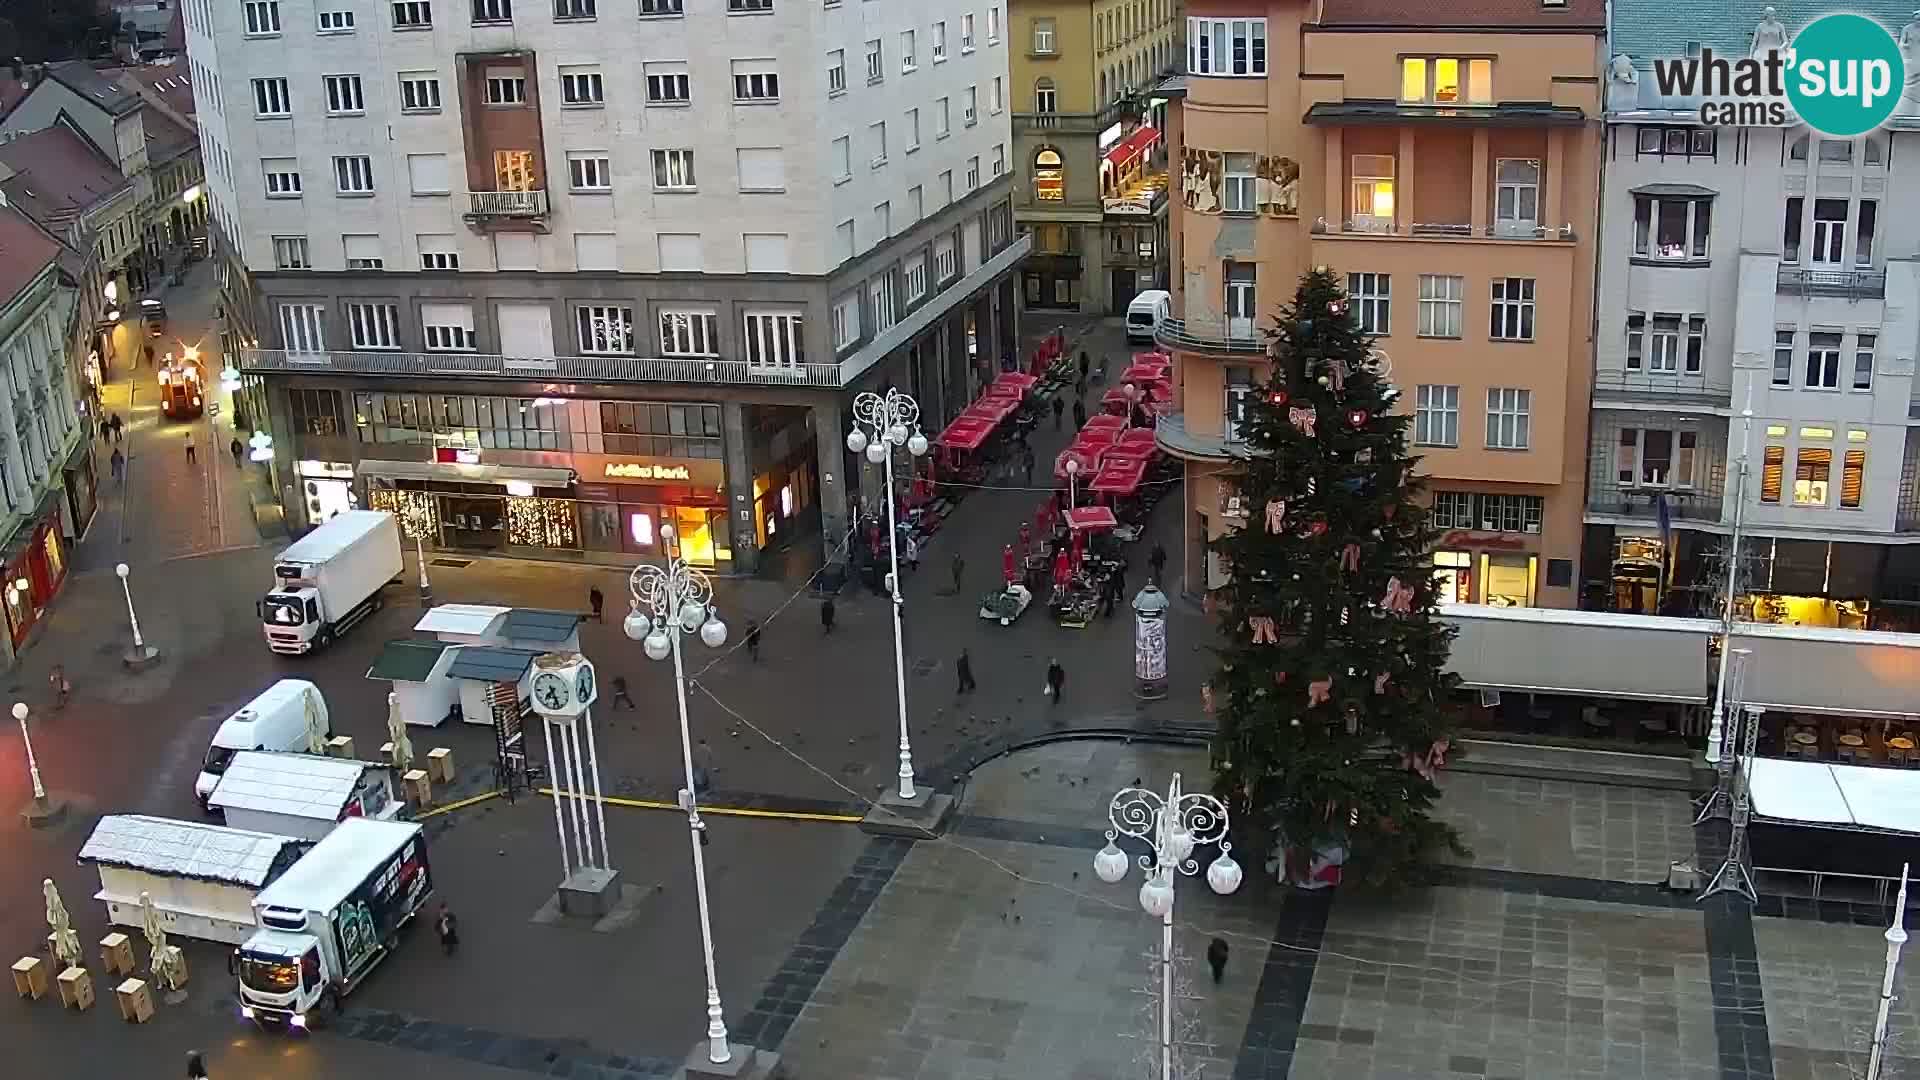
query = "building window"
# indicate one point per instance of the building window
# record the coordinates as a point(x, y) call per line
point(506, 89)
point(1372, 301)
point(492, 11)
point(916, 275)
point(1240, 392)
point(748, 7)
point(1373, 192)
point(993, 26)
point(1664, 356)
point(1227, 47)
point(419, 92)
point(271, 99)
point(973, 172)
point(877, 138)
point(846, 321)
point(1236, 189)
point(966, 32)
point(1811, 466)
point(412, 14)
point(1509, 416)
point(946, 262)
point(1452, 510)
point(657, 8)
point(302, 327)
point(282, 177)
point(1512, 311)
point(1043, 37)
point(1829, 231)
point(333, 22)
point(774, 339)
point(589, 170)
point(1442, 303)
point(437, 252)
point(1790, 231)
point(996, 97)
point(1636, 340)
point(1436, 415)
point(1671, 227)
point(909, 58)
point(605, 329)
point(999, 158)
point(1823, 361)
point(880, 293)
point(1666, 141)
point(353, 175)
point(582, 86)
point(1649, 457)
point(447, 328)
point(263, 17)
point(667, 85)
point(689, 333)
point(1242, 306)
point(290, 253)
point(836, 72)
point(1696, 343)
point(970, 108)
point(939, 47)
point(344, 96)
point(843, 159)
point(1046, 97)
point(1783, 358)
point(753, 83)
point(1516, 200)
point(1863, 232)
point(1853, 475)
point(362, 251)
point(1435, 80)
point(373, 325)
point(1863, 361)
point(1773, 464)
point(564, 10)
point(876, 62)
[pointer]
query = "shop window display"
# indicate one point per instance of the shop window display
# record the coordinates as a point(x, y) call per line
point(544, 523)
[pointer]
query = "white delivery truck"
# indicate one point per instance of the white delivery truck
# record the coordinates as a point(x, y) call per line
point(325, 923)
point(330, 579)
point(278, 719)
point(201, 878)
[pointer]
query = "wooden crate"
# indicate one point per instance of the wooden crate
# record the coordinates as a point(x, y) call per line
point(136, 1001)
point(116, 954)
point(76, 989)
point(30, 977)
point(340, 746)
point(418, 787)
point(179, 964)
point(440, 764)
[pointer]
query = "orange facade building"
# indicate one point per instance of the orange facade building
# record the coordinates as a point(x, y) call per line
point(1445, 160)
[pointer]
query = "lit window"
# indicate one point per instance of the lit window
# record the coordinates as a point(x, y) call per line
point(1811, 466)
point(1438, 80)
point(1373, 192)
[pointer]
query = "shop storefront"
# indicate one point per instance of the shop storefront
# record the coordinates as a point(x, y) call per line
point(1486, 568)
point(327, 489)
point(36, 567)
point(81, 486)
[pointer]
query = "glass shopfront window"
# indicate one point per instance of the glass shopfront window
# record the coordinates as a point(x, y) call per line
point(1453, 576)
point(473, 522)
point(599, 526)
point(621, 428)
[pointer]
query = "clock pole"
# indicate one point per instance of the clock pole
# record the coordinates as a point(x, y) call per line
point(564, 689)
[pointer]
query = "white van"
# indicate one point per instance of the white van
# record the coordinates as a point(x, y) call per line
point(1147, 312)
point(276, 720)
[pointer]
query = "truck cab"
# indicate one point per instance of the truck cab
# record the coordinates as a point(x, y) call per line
point(284, 977)
point(291, 617)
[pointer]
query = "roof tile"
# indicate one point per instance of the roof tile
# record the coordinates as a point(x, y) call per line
point(1575, 15)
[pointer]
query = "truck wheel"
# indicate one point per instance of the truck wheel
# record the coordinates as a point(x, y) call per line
point(323, 638)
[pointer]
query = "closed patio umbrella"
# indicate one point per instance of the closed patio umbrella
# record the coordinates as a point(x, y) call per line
point(66, 943)
point(316, 724)
point(397, 731)
point(165, 971)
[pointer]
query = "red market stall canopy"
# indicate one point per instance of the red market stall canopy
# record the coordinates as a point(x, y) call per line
point(1137, 441)
point(1149, 392)
point(1018, 381)
point(1104, 421)
point(1091, 517)
point(966, 433)
point(1146, 373)
point(1092, 439)
point(1153, 356)
point(1119, 477)
point(991, 409)
point(1088, 459)
point(1133, 145)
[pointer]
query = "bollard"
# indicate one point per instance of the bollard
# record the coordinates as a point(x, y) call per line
point(418, 786)
point(76, 989)
point(440, 764)
point(136, 1001)
point(30, 977)
point(116, 954)
point(340, 746)
point(386, 752)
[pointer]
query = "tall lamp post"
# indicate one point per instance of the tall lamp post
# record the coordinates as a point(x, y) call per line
point(1073, 475)
point(141, 655)
point(42, 810)
point(419, 519)
point(1174, 824)
point(1717, 731)
point(669, 601)
point(883, 424)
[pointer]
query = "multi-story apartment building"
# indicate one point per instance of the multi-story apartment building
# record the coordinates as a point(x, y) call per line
point(1090, 161)
point(1762, 269)
point(548, 274)
point(1446, 162)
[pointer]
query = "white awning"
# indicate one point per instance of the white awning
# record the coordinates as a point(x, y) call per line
point(471, 474)
point(1849, 796)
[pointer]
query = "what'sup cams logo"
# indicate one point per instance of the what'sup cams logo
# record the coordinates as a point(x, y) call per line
point(1841, 75)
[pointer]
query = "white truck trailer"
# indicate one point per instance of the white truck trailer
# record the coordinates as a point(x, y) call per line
point(329, 580)
point(202, 878)
point(330, 919)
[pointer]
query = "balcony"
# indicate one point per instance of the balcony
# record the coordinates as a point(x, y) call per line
point(1208, 337)
point(1848, 284)
point(507, 204)
point(1639, 503)
point(1433, 230)
point(583, 369)
point(1077, 123)
point(1672, 387)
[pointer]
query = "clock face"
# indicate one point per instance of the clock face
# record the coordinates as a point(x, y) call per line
point(550, 691)
point(583, 685)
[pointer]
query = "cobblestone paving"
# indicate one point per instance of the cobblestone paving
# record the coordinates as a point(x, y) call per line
point(1822, 989)
point(1574, 830)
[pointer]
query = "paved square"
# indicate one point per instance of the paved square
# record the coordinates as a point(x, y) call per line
point(1573, 830)
point(1823, 988)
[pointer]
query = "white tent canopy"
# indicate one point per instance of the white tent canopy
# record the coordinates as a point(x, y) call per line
point(1841, 796)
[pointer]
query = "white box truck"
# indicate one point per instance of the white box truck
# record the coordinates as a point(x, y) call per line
point(278, 719)
point(330, 579)
point(326, 922)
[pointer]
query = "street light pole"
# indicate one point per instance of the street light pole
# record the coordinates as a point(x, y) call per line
point(41, 810)
point(667, 602)
point(891, 421)
point(141, 655)
point(1173, 824)
point(1716, 733)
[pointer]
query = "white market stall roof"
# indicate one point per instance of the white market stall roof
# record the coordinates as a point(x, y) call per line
point(461, 619)
point(302, 785)
point(1840, 796)
point(185, 849)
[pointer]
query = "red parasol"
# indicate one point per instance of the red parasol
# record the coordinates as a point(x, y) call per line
point(1091, 439)
point(1137, 441)
point(1091, 517)
point(966, 433)
point(1145, 373)
point(1104, 420)
point(1084, 455)
point(1018, 382)
point(1121, 477)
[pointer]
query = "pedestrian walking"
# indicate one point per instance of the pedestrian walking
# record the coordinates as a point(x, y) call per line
point(599, 601)
point(190, 458)
point(148, 351)
point(1059, 408)
point(959, 571)
point(1026, 465)
point(620, 693)
point(963, 669)
point(753, 640)
point(826, 615)
point(118, 435)
point(1158, 560)
point(1079, 415)
point(118, 464)
point(910, 552)
point(236, 448)
point(449, 929)
point(1056, 678)
point(196, 1067)
point(1217, 958)
point(106, 429)
point(62, 687)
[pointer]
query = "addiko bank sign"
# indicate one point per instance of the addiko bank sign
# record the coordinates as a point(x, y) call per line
point(620, 469)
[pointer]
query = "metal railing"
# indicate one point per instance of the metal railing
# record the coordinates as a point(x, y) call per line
point(1444, 230)
point(1907, 520)
point(507, 203)
point(1860, 886)
point(1208, 337)
point(1851, 284)
point(1093, 122)
point(609, 369)
point(1662, 386)
point(1682, 505)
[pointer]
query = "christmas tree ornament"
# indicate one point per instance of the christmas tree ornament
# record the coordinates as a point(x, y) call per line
point(1324, 381)
point(1343, 620)
point(1277, 399)
point(1319, 690)
point(1295, 722)
point(1376, 534)
point(1380, 682)
point(1279, 678)
point(1336, 307)
point(1276, 514)
point(1358, 418)
point(1353, 722)
point(1313, 487)
point(1364, 455)
point(1302, 419)
point(1318, 528)
point(1206, 699)
point(1296, 577)
point(1263, 631)
point(1337, 372)
point(1350, 558)
point(1399, 598)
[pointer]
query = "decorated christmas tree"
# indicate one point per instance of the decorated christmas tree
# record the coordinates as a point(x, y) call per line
point(1330, 693)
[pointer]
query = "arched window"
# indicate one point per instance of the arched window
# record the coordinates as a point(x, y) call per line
point(1045, 98)
point(1103, 88)
point(1049, 175)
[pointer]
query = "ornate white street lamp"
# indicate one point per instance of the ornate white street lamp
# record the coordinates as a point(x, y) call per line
point(1073, 475)
point(890, 422)
point(41, 810)
point(142, 654)
point(668, 601)
point(1174, 824)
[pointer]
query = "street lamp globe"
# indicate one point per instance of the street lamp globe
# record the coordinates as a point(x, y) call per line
point(1180, 843)
point(917, 445)
point(897, 434)
point(20, 710)
point(1073, 466)
point(1156, 894)
point(1110, 863)
point(123, 570)
point(657, 645)
point(713, 632)
point(692, 614)
point(877, 452)
point(856, 440)
point(1223, 874)
point(636, 625)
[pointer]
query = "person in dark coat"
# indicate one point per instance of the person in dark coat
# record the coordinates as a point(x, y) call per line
point(236, 448)
point(106, 429)
point(1059, 407)
point(1079, 415)
point(598, 600)
point(753, 640)
point(959, 571)
point(1217, 958)
point(620, 693)
point(118, 465)
point(196, 1066)
point(1056, 679)
point(826, 614)
point(963, 669)
point(1158, 560)
point(449, 929)
point(118, 425)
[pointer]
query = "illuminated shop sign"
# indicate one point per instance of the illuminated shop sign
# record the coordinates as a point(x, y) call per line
point(633, 470)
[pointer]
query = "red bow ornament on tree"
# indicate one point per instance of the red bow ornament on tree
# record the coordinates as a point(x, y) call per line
point(1302, 419)
point(1380, 682)
point(1276, 514)
point(1350, 558)
point(1337, 375)
point(1399, 598)
point(1206, 699)
point(1319, 690)
point(1263, 631)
